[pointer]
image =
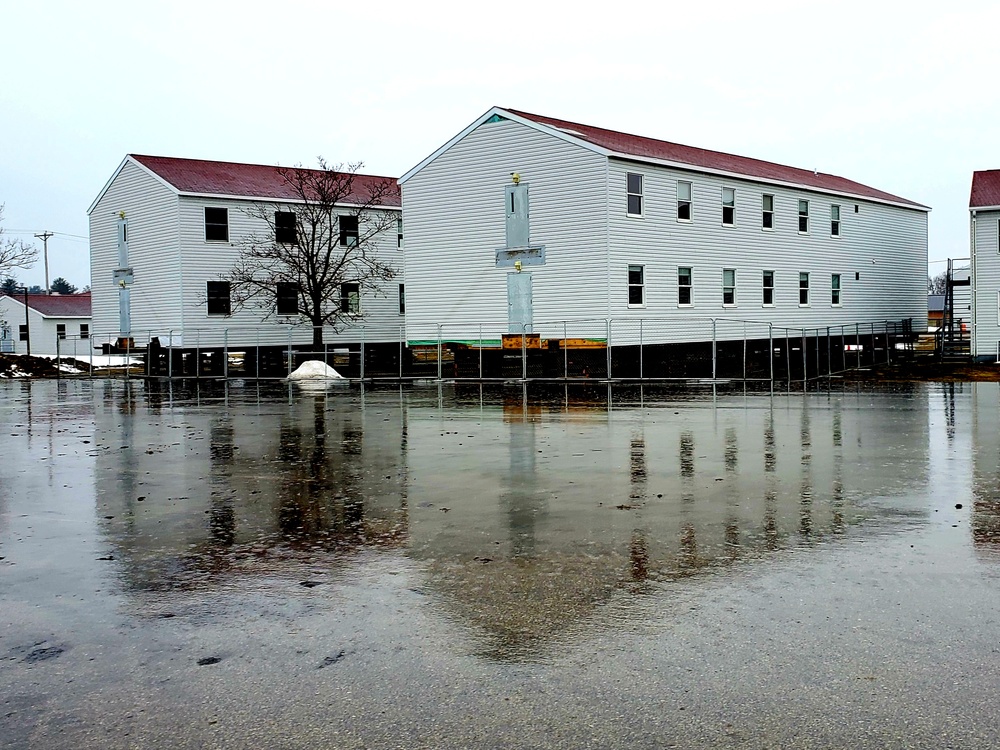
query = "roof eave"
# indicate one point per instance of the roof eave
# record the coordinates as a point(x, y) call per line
point(765, 180)
point(984, 208)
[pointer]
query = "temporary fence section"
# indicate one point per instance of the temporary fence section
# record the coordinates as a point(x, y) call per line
point(613, 349)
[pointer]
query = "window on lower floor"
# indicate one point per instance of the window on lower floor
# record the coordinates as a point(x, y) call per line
point(684, 285)
point(402, 300)
point(728, 286)
point(835, 289)
point(22, 332)
point(217, 295)
point(636, 286)
point(284, 228)
point(84, 331)
point(350, 298)
point(60, 330)
point(348, 230)
point(287, 298)
point(633, 187)
point(216, 224)
point(768, 288)
point(803, 289)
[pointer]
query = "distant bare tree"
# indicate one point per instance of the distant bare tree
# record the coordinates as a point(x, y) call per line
point(938, 284)
point(15, 253)
point(319, 254)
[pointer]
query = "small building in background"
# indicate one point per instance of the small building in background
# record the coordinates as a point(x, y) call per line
point(54, 324)
point(984, 238)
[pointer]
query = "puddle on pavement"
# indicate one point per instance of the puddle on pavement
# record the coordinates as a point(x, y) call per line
point(525, 515)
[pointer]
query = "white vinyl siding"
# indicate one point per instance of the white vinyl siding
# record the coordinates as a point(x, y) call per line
point(151, 211)
point(986, 280)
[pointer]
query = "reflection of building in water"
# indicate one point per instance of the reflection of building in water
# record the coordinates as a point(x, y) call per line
point(985, 456)
point(610, 502)
point(201, 481)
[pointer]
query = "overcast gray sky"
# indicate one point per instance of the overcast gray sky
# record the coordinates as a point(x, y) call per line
point(899, 96)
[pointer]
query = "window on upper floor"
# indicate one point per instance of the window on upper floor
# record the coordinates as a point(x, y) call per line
point(350, 298)
point(767, 212)
point(767, 288)
point(217, 296)
point(835, 289)
point(633, 188)
point(683, 201)
point(84, 331)
point(216, 224)
point(729, 286)
point(684, 285)
point(803, 288)
point(287, 298)
point(834, 221)
point(728, 206)
point(348, 230)
point(636, 286)
point(399, 232)
point(284, 228)
point(803, 217)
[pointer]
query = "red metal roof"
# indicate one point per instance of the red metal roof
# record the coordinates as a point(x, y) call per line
point(244, 180)
point(651, 148)
point(58, 305)
point(985, 189)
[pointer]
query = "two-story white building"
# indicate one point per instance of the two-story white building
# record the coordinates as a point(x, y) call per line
point(984, 237)
point(164, 232)
point(529, 223)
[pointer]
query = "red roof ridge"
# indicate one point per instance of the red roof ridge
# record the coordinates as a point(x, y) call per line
point(643, 147)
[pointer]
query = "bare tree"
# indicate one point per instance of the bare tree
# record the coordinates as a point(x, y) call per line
point(319, 254)
point(938, 284)
point(15, 253)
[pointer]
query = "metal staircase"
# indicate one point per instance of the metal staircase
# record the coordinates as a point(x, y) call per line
point(954, 342)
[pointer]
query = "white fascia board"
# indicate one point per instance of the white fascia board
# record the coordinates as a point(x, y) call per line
point(975, 209)
point(107, 185)
point(288, 201)
point(548, 129)
point(764, 180)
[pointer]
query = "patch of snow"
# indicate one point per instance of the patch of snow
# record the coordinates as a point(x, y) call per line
point(314, 369)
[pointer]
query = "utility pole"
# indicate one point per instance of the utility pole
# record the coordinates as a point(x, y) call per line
point(44, 237)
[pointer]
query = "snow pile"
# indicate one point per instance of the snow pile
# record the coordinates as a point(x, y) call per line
point(314, 369)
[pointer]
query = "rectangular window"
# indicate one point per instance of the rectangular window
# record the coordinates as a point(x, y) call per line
point(684, 286)
point(728, 286)
point(287, 298)
point(834, 221)
point(835, 289)
point(728, 206)
point(803, 289)
point(634, 188)
point(683, 201)
point(402, 300)
point(636, 286)
point(768, 288)
point(348, 230)
point(22, 332)
point(767, 212)
point(284, 228)
point(399, 232)
point(84, 331)
point(350, 298)
point(217, 294)
point(803, 217)
point(216, 224)
point(60, 330)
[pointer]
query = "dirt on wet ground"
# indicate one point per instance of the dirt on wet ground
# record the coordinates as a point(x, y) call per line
point(244, 564)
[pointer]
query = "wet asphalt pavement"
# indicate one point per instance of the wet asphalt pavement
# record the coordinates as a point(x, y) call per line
point(455, 567)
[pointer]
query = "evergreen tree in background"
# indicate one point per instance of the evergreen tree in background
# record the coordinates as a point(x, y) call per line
point(61, 286)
